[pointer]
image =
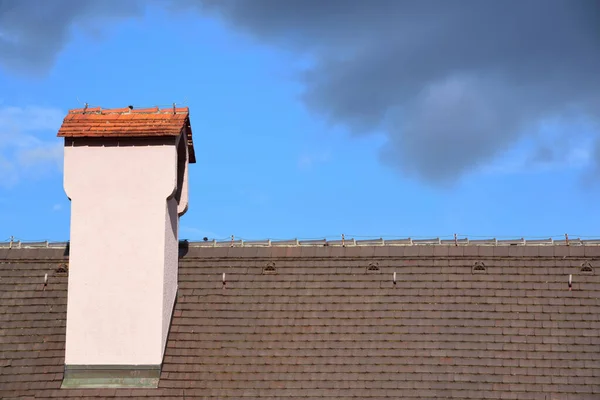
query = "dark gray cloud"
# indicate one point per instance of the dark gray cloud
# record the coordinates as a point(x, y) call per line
point(33, 32)
point(451, 84)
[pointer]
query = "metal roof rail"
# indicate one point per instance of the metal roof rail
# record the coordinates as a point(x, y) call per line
point(339, 243)
point(588, 242)
point(35, 244)
point(317, 242)
point(540, 242)
point(511, 242)
point(570, 242)
point(257, 243)
point(345, 242)
point(202, 243)
point(457, 242)
point(293, 242)
point(371, 242)
point(485, 242)
point(229, 243)
point(22, 245)
point(58, 244)
point(399, 242)
point(427, 241)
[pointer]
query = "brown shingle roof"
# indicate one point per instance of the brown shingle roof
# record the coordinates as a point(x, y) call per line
point(128, 122)
point(323, 326)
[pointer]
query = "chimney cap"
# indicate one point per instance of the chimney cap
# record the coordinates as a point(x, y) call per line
point(127, 122)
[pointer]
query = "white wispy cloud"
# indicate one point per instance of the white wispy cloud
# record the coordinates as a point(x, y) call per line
point(28, 145)
point(576, 158)
point(310, 160)
point(7, 171)
point(555, 148)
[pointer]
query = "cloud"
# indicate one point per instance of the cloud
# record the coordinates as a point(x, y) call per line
point(451, 86)
point(56, 207)
point(8, 172)
point(33, 32)
point(26, 147)
point(46, 153)
point(576, 159)
point(308, 161)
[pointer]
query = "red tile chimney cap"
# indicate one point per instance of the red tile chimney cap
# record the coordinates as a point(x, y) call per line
point(95, 122)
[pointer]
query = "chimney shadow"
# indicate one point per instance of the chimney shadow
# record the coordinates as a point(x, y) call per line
point(184, 247)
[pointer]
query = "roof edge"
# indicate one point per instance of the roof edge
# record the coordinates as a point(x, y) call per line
point(337, 243)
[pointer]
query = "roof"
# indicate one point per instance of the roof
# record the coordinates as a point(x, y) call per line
point(461, 322)
point(128, 122)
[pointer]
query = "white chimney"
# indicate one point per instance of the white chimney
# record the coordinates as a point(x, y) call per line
point(125, 172)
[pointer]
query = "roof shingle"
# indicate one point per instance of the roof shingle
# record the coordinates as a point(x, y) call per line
point(325, 327)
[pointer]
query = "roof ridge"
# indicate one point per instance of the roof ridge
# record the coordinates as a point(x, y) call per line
point(340, 243)
point(391, 242)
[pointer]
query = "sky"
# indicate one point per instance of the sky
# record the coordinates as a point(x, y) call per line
point(313, 119)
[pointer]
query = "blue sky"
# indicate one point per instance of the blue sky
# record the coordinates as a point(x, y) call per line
point(268, 165)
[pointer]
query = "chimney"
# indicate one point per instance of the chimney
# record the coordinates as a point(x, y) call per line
point(126, 174)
